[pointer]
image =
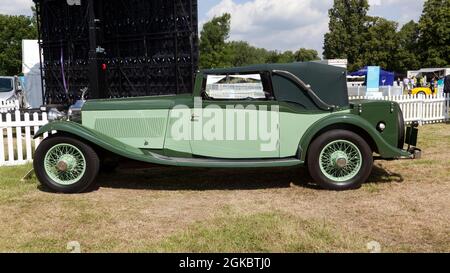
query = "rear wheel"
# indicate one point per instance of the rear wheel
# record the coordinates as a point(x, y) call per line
point(66, 165)
point(340, 160)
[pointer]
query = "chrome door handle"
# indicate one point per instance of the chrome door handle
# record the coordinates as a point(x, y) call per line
point(194, 118)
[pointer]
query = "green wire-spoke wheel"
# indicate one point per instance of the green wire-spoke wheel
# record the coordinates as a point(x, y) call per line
point(340, 160)
point(65, 164)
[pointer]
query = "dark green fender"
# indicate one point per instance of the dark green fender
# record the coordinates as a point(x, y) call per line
point(103, 141)
point(385, 149)
point(130, 152)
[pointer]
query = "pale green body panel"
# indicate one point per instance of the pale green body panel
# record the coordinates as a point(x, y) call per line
point(145, 129)
point(293, 127)
point(173, 140)
point(239, 135)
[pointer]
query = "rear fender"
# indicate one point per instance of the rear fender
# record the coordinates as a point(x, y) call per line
point(385, 149)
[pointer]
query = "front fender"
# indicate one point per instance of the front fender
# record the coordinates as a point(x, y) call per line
point(101, 140)
point(385, 149)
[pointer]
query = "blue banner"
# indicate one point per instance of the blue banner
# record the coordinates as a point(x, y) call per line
point(373, 79)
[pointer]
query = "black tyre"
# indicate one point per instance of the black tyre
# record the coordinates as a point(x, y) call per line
point(65, 165)
point(340, 160)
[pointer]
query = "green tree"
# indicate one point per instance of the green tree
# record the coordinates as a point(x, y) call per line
point(406, 57)
point(380, 44)
point(434, 33)
point(346, 30)
point(273, 56)
point(214, 51)
point(306, 55)
point(286, 57)
point(13, 29)
point(242, 53)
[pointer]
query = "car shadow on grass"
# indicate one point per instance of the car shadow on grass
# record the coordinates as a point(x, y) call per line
point(200, 179)
point(188, 179)
point(381, 175)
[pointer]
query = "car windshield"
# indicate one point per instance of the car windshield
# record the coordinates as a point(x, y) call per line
point(6, 85)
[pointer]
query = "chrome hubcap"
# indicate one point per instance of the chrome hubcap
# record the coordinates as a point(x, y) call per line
point(66, 163)
point(339, 159)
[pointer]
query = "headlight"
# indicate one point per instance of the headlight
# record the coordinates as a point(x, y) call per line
point(54, 114)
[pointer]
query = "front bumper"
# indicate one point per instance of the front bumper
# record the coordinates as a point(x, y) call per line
point(412, 133)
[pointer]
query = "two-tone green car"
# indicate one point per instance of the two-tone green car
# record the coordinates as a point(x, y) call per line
point(263, 116)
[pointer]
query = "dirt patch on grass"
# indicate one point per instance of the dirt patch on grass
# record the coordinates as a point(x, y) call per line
point(405, 206)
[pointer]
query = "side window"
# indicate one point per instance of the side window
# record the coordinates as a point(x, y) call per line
point(235, 87)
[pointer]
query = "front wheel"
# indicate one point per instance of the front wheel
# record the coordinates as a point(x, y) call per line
point(340, 160)
point(66, 165)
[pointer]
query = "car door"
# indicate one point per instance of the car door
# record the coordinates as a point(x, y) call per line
point(236, 118)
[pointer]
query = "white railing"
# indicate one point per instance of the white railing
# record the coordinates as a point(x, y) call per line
point(359, 90)
point(424, 109)
point(8, 106)
point(16, 142)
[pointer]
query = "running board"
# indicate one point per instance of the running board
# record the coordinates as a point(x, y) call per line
point(228, 163)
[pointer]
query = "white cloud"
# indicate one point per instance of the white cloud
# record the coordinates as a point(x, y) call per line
point(292, 24)
point(400, 11)
point(277, 24)
point(16, 7)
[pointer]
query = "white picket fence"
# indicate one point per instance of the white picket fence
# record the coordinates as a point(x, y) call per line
point(16, 142)
point(424, 109)
point(7, 106)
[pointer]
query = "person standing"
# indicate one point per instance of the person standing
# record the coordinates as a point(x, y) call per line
point(447, 93)
point(433, 85)
point(406, 85)
point(422, 82)
point(405, 82)
point(447, 85)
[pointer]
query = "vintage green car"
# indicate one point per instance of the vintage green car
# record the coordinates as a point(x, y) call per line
point(275, 115)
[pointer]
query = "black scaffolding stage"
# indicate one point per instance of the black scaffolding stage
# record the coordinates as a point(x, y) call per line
point(117, 48)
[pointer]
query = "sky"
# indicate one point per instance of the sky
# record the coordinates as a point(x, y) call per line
point(275, 24)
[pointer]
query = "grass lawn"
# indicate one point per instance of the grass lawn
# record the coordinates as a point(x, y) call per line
point(405, 207)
